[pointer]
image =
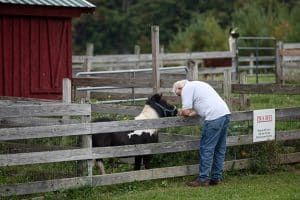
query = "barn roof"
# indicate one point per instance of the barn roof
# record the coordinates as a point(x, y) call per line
point(53, 8)
point(60, 3)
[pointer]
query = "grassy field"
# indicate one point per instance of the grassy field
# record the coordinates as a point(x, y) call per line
point(282, 185)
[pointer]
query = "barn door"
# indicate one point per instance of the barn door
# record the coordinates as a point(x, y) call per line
point(51, 55)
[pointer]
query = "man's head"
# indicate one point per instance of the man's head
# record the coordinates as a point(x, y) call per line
point(177, 87)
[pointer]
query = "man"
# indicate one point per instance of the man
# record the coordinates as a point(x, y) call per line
point(199, 98)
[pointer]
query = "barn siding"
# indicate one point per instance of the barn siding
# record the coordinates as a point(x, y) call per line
point(35, 56)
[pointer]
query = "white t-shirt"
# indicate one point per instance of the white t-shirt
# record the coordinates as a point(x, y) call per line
point(202, 98)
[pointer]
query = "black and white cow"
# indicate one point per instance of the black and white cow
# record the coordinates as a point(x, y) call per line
point(154, 108)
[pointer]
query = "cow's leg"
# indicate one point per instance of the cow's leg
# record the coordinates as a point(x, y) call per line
point(147, 161)
point(137, 162)
point(100, 165)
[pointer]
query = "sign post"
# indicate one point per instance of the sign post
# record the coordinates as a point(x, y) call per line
point(263, 125)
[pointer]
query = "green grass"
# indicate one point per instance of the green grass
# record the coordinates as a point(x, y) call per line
point(265, 101)
point(277, 186)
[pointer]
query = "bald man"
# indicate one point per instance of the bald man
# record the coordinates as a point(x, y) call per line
point(199, 98)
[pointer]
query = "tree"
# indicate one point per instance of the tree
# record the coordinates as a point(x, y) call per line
point(204, 34)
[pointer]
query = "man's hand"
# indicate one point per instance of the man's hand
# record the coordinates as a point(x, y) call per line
point(186, 112)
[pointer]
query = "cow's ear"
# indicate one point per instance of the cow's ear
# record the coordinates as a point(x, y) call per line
point(156, 97)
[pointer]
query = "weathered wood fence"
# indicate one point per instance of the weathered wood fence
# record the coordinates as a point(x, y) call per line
point(286, 67)
point(88, 153)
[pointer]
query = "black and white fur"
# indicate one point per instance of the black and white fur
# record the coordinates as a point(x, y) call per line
point(155, 108)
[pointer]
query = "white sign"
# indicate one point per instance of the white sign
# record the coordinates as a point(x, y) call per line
point(263, 125)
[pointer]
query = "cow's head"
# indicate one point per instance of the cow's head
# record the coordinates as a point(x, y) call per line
point(161, 106)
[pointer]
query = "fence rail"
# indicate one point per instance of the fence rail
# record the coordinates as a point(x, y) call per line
point(88, 153)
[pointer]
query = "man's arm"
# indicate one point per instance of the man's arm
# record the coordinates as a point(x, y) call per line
point(187, 112)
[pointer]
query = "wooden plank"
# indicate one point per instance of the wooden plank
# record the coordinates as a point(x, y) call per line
point(29, 100)
point(129, 125)
point(142, 81)
point(196, 55)
point(44, 131)
point(125, 151)
point(116, 95)
point(103, 96)
point(287, 113)
point(145, 75)
point(116, 109)
point(115, 126)
point(291, 58)
point(34, 121)
point(291, 66)
point(92, 128)
point(44, 110)
point(45, 157)
point(44, 186)
point(125, 177)
point(121, 82)
point(213, 70)
point(290, 52)
point(132, 58)
point(291, 45)
point(265, 89)
point(14, 147)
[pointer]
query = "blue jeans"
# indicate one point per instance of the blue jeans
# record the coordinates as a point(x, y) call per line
point(213, 148)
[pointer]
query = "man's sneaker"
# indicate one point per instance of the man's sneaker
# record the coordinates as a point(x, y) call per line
point(198, 183)
point(215, 182)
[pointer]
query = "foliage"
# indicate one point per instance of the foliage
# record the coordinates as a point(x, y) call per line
point(265, 157)
point(191, 25)
point(268, 18)
point(204, 34)
point(117, 26)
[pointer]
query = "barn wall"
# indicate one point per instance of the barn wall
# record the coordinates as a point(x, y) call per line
point(35, 55)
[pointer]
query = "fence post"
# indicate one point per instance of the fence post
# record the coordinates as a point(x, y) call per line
point(161, 54)
point(67, 90)
point(137, 51)
point(67, 98)
point(155, 58)
point(233, 49)
point(87, 66)
point(192, 73)
point(227, 85)
point(279, 63)
point(243, 97)
point(86, 142)
point(251, 63)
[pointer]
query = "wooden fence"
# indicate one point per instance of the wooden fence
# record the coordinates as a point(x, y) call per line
point(88, 153)
point(139, 84)
point(289, 59)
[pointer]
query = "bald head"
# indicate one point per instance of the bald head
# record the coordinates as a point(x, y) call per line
point(177, 87)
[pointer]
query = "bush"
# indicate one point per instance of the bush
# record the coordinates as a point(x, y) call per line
point(265, 157)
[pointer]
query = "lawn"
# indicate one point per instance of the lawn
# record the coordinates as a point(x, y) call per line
point(279, 185)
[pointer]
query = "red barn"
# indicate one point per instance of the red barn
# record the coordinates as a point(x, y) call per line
point(36, 46)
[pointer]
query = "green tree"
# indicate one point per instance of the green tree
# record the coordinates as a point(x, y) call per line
point(118, 25)
point(268, 18)
point(294, 33)
point(110, 28)
point(191, 25)
point(204, 34)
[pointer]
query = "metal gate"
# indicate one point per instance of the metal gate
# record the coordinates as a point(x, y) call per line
point(257, 55)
